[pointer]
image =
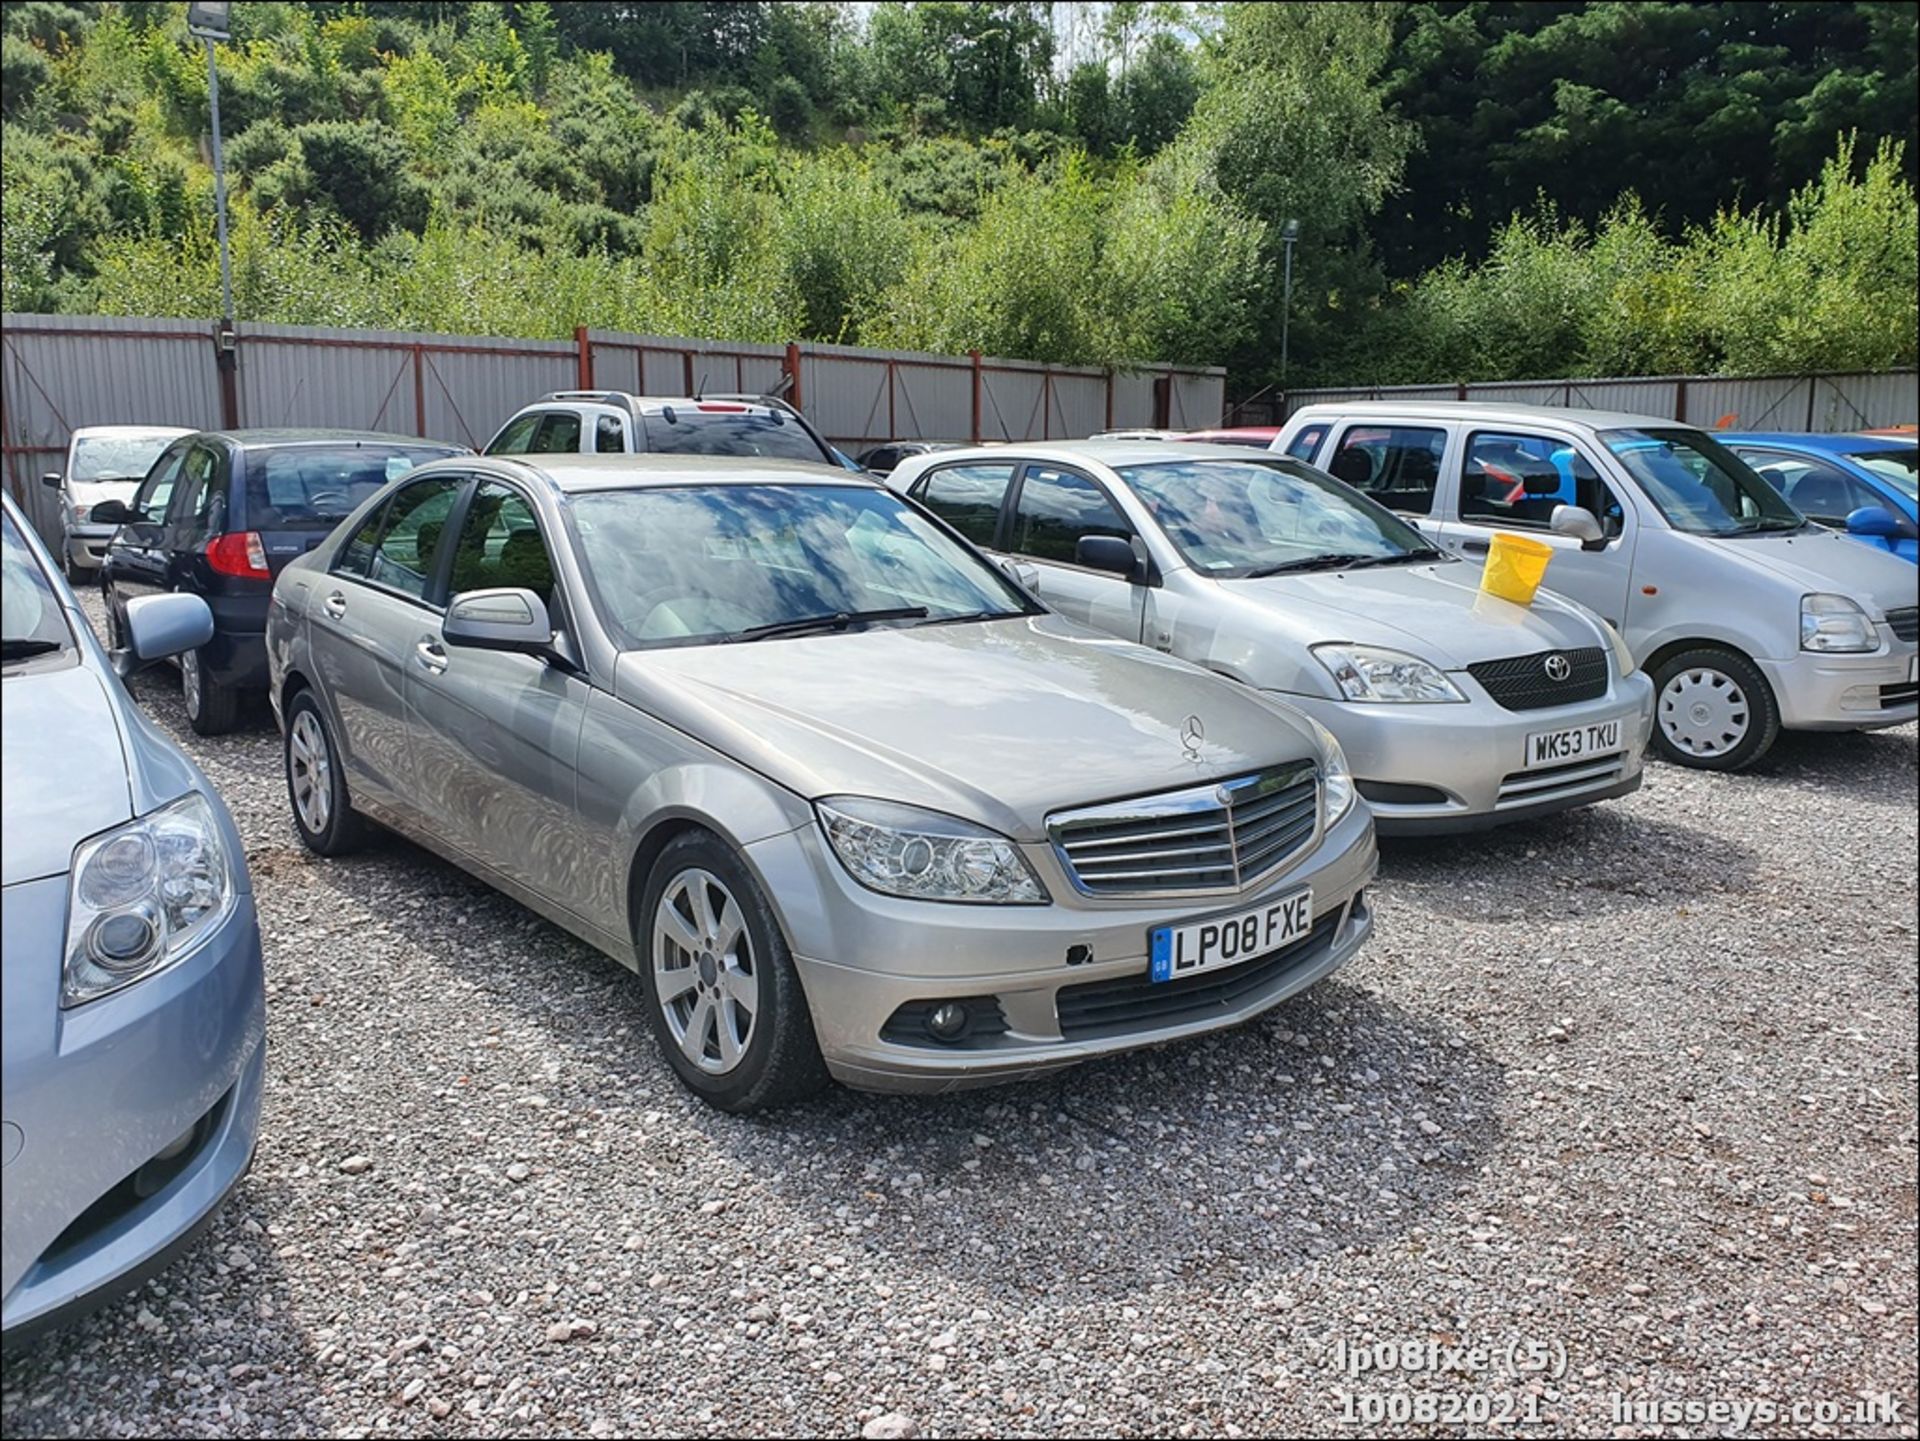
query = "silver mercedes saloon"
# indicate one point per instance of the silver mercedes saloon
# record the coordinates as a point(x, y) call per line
point(847, 799)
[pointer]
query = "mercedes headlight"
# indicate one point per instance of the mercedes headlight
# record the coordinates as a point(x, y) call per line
point(143, 895)
point(1336, 781)
point(901, 850)
point(1372, 673)
point(1834, 623)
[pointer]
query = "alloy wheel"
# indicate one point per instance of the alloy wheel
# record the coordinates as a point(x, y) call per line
point(190, 682)
point(705, 979)
point(310, 771)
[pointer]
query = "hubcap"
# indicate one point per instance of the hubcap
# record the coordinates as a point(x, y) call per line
point(309, 772)
point(704, 974)
point(190, 681)
point(1703, 712)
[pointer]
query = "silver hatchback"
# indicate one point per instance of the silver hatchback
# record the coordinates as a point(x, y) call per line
point(847, 800)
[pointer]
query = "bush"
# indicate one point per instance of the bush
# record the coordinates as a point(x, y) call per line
point(359, 168)
point(24, 73)
point(264, 143)
point(788, 107)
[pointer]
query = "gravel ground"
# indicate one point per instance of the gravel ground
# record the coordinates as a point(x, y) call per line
point(1635, 1086)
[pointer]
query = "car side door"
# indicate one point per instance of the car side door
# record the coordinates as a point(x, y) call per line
point(136, 560)
point(1397, 464)
point(1053, 507)
point(364, 618)
point(197, 515)
point(971, 496)
point(496, 734)
point(1512, 478)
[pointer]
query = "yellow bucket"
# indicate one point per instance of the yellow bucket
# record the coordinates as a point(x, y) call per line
point(1515, 567)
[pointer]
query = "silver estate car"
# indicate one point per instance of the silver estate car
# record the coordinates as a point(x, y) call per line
point(135, 1005)
point(1749, 618)
point(846, 799)
point(1457, 710)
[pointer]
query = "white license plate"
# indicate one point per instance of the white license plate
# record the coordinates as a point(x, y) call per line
point(1228, 940)
point(1575, 743)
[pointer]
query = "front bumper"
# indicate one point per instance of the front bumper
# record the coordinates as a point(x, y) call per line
point(864, 956)
point(1847, 692)
point(1430, 769)
point(86, 545)
point(96, 1094)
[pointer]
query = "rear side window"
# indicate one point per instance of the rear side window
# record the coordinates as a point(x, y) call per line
point(199, 491)
point(1398, 465)
point(315, 487)
point(968, 498)
point(687, 430)
point(1518, 481)
point(609, 435)
point(396, 544)
point(518, 435)
point(1307, 442)
point(558, 434)
point(1056, 508)
point(500, 545)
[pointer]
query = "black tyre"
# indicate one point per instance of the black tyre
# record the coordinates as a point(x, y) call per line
point(116, 628)
point(317, 783)
point(722, 992)
point(1713, 710)
point(212, 708)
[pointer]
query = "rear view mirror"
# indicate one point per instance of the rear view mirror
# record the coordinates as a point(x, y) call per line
point(505, 618)
point(162, 625)
point(1876, 522)
point(113, 512)
point(1108, 553)
point(1578, 523)
point(52, 478)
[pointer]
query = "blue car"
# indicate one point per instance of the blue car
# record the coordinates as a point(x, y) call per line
point(135, 1006)
point(1862, 484)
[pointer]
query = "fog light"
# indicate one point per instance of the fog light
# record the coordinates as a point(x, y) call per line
point(948, 1021)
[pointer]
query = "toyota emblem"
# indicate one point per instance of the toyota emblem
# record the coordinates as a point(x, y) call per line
point(1558, 667)
point(1191, 734)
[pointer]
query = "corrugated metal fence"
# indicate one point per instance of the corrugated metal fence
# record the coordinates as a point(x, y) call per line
point(62, 371)
point(1850, 400)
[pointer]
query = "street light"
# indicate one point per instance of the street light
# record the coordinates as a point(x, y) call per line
point(1289, 233)
point(209, 20)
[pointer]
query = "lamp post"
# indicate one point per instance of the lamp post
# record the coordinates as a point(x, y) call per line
point(1289, 233)
point(209, 20)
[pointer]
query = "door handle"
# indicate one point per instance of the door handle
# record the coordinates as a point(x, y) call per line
point(335, 605)
point(431, 655)
point(1475, 547)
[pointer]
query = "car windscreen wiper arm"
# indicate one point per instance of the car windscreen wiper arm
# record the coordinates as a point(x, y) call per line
point(15, 647)
point(1305, 562)
point(836, 620)
point(1406, 557)
point(972, 615)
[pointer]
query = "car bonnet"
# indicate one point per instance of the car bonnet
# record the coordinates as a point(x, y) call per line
point(63, 767)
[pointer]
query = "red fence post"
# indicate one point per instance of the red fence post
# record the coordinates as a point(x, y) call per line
point(584, 351)
point(791, 365)
point(686, 364)
point(1460, 391)
point(419, 390)
point(1109, 424)
point(1680, 399)
point(973, 357)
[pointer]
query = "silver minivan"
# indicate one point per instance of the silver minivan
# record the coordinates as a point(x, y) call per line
point(1749, 618)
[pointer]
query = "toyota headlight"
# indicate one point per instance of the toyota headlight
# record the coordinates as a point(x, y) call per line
point(1372, 673)
point(1834, 623)
point(143, 895)
point(1336, 781)
point(901, 850)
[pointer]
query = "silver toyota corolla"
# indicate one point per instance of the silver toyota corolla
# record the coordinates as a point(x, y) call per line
point(1458, 710)
point(846, 799)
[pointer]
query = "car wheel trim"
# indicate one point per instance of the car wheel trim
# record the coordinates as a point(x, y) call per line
point(310, 772)
point(705, 979)
point(1704, 712)
point(190, 681)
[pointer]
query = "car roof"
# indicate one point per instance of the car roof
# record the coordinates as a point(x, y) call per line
point(254, 439)
point(80, 431)
point(1842, 442)
point(1110, 453)
point(576, 474)
point(1485, 410)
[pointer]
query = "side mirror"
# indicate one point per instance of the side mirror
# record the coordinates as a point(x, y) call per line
point(506, 618)
point(162, 625)
point(1108, 553)
point(1875, 522)
point(1578, 523)
point(51, 478)
point(113, 512)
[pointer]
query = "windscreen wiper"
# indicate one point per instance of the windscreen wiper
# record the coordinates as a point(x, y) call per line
point(1306, 562)
point(972, 615)
point(837, 620)
point(1406, 557)
point(17, 647)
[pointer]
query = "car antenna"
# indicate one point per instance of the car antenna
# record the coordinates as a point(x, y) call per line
point(700, 389)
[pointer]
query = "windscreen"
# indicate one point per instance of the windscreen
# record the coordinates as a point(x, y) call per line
point(691, 430)
point(1700, 486)
point(1898, 466)
point(116, 457)
point(31, 622)
point(689, 565)
point(314, 487)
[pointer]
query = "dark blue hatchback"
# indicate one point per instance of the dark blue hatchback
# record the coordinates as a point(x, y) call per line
point(218, 516)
